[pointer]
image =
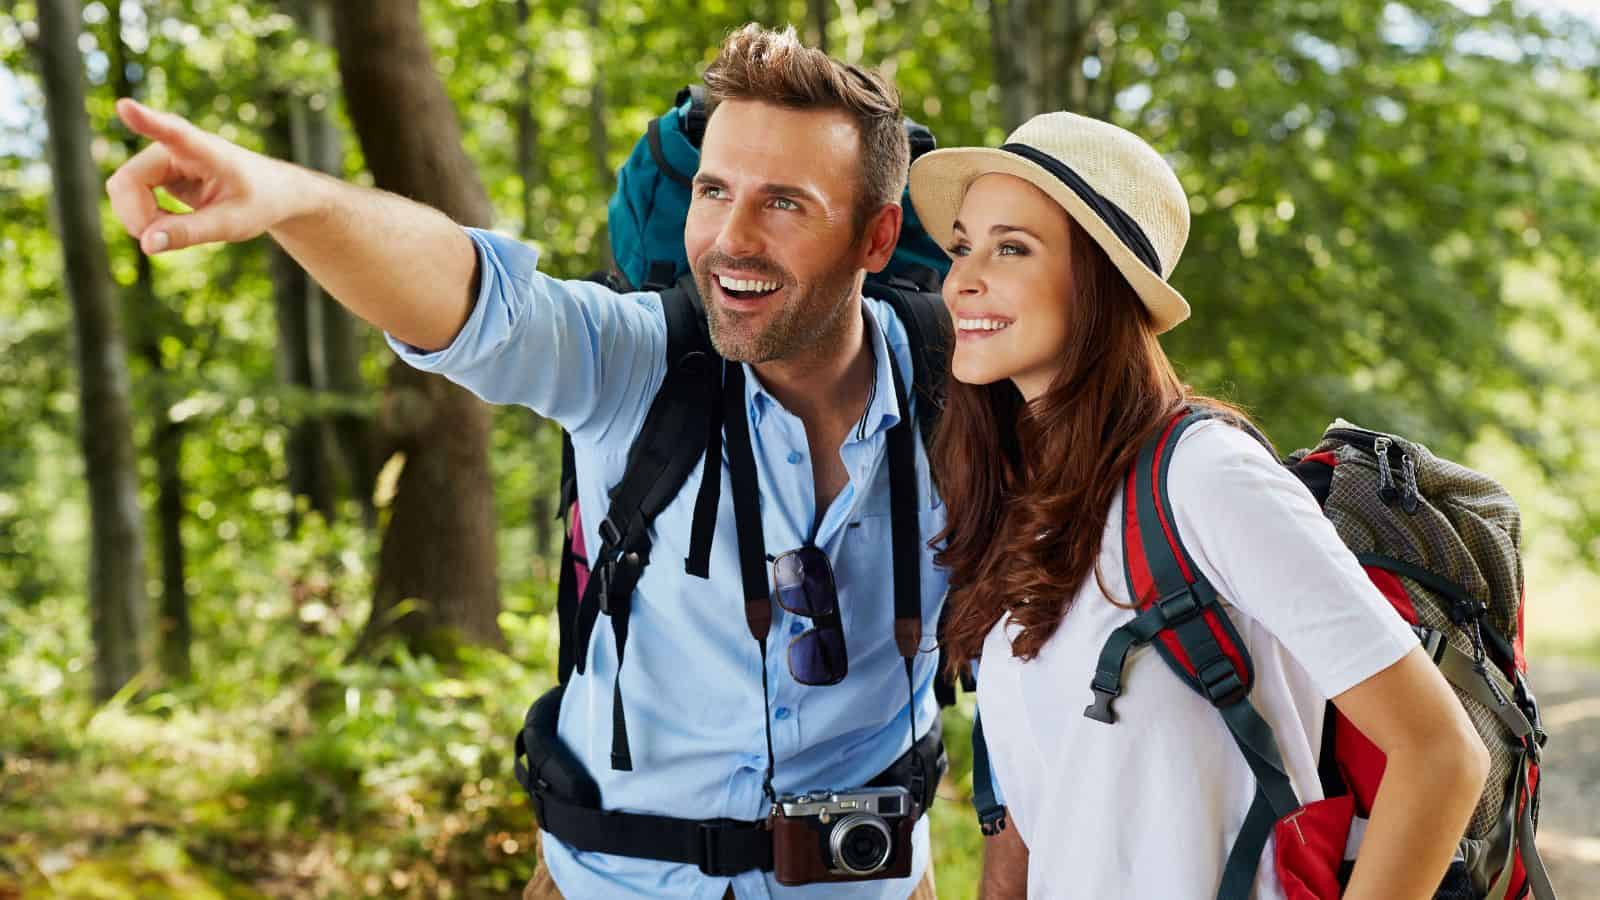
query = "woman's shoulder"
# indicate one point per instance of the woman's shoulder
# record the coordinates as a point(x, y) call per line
point(1216, 461)
point(1217, 441)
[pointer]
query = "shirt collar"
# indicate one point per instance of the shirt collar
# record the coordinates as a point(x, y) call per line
point(883, 412)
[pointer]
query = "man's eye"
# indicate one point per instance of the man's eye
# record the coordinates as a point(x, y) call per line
point(710, 191)
point(785, 203)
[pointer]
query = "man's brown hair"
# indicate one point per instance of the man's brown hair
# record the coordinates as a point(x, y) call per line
point(775, 67)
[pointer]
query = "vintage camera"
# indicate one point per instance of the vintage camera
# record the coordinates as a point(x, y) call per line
point(854, 835)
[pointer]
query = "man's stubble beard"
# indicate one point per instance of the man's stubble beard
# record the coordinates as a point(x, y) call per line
point(809, 320)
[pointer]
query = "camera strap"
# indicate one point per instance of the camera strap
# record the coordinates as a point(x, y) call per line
point(905, 543)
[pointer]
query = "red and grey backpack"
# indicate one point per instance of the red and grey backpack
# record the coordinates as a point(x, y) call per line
point(1442, 543)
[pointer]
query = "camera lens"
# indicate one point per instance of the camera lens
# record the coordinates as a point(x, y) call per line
point(861, 844)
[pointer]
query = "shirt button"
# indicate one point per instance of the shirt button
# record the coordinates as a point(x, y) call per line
point(795, 457)
point(781, 713)
point(797, 627)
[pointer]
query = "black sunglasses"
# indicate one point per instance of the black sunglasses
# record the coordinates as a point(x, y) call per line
point(805, 587)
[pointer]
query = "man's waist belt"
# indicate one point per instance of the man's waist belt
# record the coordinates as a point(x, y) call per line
point(567, 802)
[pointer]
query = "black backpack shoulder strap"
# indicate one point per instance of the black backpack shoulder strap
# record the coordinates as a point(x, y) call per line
point(928, 328)
point(669, 444)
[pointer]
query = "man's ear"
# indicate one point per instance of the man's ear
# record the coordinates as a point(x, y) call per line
point(881, 234)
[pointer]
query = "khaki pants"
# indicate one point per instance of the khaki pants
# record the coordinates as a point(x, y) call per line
point(540, 887)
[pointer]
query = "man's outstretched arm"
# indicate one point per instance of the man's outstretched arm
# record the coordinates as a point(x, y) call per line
point(403, 266)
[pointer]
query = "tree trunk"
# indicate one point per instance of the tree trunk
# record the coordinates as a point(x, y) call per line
point(117, 602)
point(174, 632)
point(527, 123)
point(1006, 55)
point(599, 141)
point(336, 340)
point(541, 508)
point(308, 463)
point(1038, 48)
point(439, 547)
point(818, 13)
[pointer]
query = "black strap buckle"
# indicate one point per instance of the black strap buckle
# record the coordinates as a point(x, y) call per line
point(616, 569)
point(610, 534)
point(1100, 710)
point(1220, 681)
point(605, 573)
point(992, 822)
point(1180, 606)
point(917, 784)
point(711, 862)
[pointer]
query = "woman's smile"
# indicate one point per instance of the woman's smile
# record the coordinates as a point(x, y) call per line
point(978, 326)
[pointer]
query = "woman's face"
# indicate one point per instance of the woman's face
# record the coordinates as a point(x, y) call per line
point(1009, 285)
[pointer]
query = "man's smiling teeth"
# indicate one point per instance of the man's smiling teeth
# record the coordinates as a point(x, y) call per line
point(746, 286)
point(982, 324)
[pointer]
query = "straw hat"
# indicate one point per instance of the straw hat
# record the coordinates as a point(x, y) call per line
point(1109, 180)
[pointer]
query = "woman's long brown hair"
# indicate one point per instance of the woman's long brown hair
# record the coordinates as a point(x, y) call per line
point(1027, 486)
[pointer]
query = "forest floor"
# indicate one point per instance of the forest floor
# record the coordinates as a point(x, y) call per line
point(1569, 821)
point(203, 818)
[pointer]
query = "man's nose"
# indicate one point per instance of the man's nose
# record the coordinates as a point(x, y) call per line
point(741, 233)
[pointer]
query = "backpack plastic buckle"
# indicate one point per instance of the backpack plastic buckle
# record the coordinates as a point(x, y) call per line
point(917, 780)
point(1180, 606)
point(619, 570)
point(610, 534)
point(1100, 710)
point(603, 574)
point(1220, 682)
point(993, 821)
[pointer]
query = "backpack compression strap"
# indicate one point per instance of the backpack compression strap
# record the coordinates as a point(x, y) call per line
point(928, 330)
point(669, 444)
point(991, 812)
point(1182, 616)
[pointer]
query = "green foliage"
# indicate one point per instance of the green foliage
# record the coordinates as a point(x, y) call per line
point(394, 768)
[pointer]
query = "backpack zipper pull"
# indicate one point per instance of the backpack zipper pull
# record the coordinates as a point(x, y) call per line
point(1387, 492)
point(1411, 495)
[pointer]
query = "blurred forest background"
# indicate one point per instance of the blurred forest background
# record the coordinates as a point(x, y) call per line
point(262, 672)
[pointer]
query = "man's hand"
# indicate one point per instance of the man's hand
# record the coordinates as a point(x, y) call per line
point(236, 195)
point(400, 265)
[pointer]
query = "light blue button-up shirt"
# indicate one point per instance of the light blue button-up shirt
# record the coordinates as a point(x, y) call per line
point(593, 360)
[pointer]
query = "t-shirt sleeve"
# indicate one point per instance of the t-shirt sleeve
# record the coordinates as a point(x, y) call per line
point(573, 351)
point(1255, 530)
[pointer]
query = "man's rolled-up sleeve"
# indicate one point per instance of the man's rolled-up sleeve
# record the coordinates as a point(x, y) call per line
point(573, 351)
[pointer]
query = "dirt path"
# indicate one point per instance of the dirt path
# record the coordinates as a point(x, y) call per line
point(1569, 824)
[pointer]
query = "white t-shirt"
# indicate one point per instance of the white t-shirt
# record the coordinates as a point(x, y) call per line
point(1149, 807)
